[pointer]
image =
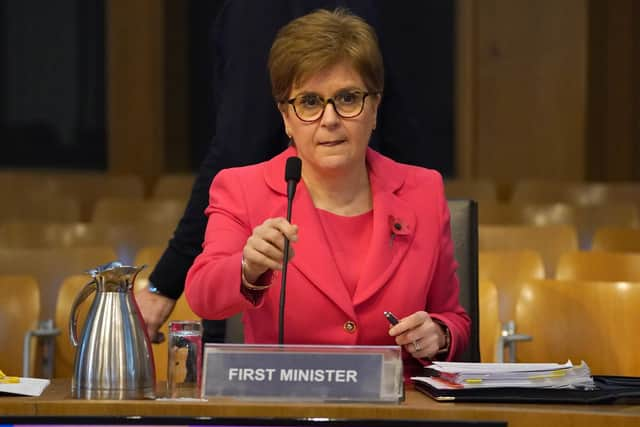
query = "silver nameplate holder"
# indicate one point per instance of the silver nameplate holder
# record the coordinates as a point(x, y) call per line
point(303, 372)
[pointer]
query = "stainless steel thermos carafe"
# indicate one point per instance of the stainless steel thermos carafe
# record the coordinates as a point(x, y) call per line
point(113, 358)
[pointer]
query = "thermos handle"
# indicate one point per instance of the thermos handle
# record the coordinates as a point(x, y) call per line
point(73, 318)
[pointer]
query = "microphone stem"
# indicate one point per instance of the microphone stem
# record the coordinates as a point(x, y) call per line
point(283, 291)
point(283, 281)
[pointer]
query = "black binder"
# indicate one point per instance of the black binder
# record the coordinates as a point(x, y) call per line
point(609, 389)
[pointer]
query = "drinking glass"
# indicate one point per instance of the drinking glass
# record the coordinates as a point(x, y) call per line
point(184, 373)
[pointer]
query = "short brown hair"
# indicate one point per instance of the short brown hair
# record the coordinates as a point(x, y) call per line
point(319, 40)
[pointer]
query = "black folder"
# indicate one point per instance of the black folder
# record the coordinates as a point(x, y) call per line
point(609, 389)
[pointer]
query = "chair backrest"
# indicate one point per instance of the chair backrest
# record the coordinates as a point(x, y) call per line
point(581, 320)
point(549, 241)
point(586, 219)
point(550, 191)
point(478, 190)
point(173, 186)
point(125, 238)
point(575, 192)
point(121, 210)
point(128, 238)
point(509, 271)
point(598, 265)
point(149, 256)
point(181, 311)
point(51, 266)
point(514, 213)
point(616, 239)
point(464, 232)
point(489, 322)
point(85, 187)
point(65, 352)
point(51, 208)
point(28, 234)
point(19, 313)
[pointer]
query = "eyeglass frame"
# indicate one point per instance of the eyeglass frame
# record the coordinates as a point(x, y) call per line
point(332, 102)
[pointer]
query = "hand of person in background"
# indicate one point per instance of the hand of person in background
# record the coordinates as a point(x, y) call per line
point(155, 309)
point(264, 249)
point(419, 335)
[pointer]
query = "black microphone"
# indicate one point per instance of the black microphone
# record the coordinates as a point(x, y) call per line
point(292, 172)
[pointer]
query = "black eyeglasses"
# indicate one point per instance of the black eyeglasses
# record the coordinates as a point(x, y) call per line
point(309, 107)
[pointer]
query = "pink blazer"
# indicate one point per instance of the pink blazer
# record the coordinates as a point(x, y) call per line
point(405, 270)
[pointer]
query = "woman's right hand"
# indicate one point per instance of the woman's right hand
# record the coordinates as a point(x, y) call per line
point(264, 249)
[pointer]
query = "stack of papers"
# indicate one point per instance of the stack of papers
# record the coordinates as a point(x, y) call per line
point(453, 375)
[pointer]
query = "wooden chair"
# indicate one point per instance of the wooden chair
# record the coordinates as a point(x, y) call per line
point(616, 239)
point(575, 192)
point(623, 191)
point(19, 314)
point(478, 190)
point(586, 219)
point(54, 208)
point(551, 191)
point(65, 352)
point(51, 266)
point(489, 322)
point(582, 320)
point(597, 265)
point(509, 271)
point(119, 210)
point(149, 256)
point(173, 186)
point(128, 238)
point(29, 234)
point(549, 241)
point(125, 238)
point(85, 187)
point(181, 311)
point(495, 213)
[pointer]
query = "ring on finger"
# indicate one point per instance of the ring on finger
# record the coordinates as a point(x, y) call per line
point(416, 345)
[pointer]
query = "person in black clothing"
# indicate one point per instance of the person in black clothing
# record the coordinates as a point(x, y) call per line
point(249, 127)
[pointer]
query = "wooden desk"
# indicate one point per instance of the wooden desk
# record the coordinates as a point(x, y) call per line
point(56, 401)
point(10, 405)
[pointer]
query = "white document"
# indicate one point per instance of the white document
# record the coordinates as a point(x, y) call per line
point(26, 387)
point(451, 375)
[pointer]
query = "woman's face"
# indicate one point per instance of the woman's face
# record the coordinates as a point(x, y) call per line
point(332, 144)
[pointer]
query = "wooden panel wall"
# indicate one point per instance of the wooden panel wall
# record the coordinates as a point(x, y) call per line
point(528, 77)
point(613, 138)
point(135, 78)
point(147, 87)
point(548, 89)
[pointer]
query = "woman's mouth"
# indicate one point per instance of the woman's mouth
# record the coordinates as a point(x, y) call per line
point(331, 143)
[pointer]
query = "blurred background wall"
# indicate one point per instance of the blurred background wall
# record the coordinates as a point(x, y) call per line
point(529, 89)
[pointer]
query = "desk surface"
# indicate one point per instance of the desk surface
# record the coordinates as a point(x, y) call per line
point(56, 401)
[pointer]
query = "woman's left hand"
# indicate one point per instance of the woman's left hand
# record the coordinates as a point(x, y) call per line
point(419, 335)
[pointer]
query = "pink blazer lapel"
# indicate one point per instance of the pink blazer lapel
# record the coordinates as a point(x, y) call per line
point(316, 262)
point(394, 223)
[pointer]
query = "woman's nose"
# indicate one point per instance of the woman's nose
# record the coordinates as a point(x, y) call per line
point(330, 116)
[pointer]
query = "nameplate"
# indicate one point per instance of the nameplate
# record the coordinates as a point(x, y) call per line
point(303, 372)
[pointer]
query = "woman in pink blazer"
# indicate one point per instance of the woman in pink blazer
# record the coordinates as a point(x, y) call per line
point(368, 235)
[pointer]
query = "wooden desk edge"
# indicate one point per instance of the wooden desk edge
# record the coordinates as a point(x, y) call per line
point(56, 401)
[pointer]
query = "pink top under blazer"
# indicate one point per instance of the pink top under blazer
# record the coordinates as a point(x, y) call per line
point(408, 267)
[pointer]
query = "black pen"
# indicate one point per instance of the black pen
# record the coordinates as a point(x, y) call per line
point(393, 320)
